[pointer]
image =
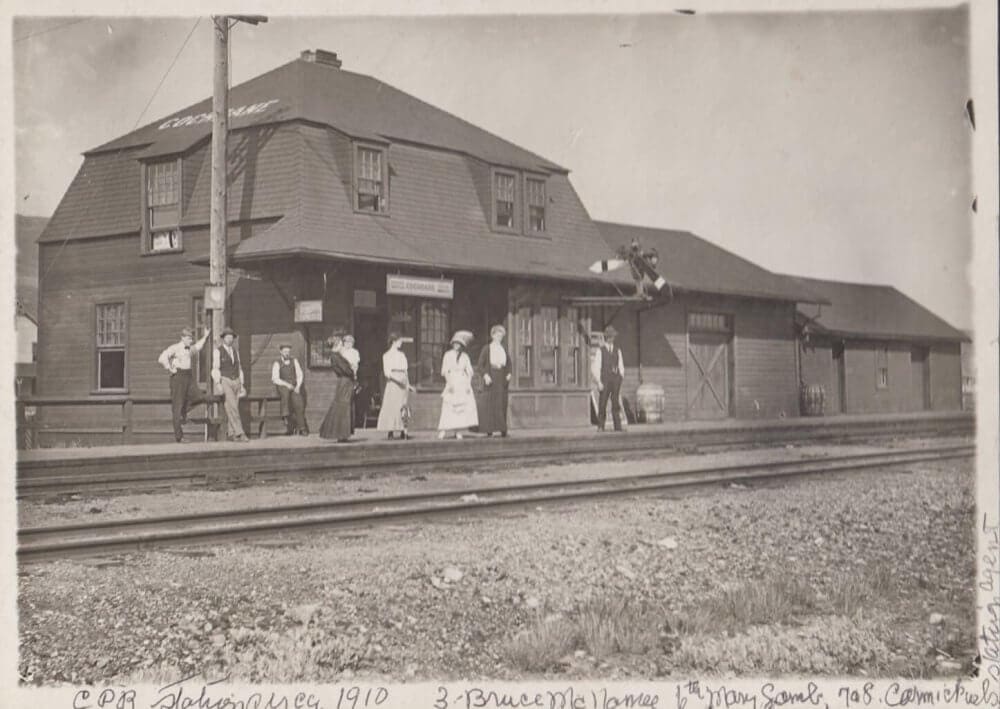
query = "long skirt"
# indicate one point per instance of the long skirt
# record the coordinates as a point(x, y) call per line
point(390, 416)
point(458, 409)
point(337, 423)
point(492, 404)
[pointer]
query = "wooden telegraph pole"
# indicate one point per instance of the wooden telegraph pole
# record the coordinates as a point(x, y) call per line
point(216, 292)
point(217, 224)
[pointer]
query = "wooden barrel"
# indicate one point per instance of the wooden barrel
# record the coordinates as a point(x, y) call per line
point(649, 400)
point(813, 399)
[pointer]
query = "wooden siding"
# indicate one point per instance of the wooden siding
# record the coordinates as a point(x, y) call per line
point(945, 362)
point(818, 367)
point(902, 395)
point(766, 384)
point(764, 379)
point(102, 199)
point(263, 170)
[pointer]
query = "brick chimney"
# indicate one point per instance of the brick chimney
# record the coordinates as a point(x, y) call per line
point(321, 56)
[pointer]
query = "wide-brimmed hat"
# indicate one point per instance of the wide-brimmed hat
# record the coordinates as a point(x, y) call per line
point(610, 332)
point(227, 331)
point(463, 337)
point(498, 328)
point(283, 345)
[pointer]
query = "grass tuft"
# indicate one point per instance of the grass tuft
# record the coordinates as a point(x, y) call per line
point(541, 647)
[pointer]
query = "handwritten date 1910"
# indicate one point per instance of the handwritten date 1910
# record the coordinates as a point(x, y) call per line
point(354, 698)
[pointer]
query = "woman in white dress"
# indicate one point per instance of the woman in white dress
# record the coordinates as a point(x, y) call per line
point(395, 369)
point(458, 402)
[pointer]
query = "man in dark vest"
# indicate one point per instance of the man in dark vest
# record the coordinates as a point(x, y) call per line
point(286, 374)
point(608, 373)
point(227, 373)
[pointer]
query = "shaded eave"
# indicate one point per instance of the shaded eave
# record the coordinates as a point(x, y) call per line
point(625, 284)
point(243, 260)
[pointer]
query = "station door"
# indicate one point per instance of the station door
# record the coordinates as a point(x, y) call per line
point(709, 366)
point(920, 398)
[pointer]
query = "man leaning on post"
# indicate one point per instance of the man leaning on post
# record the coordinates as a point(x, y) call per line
point(227, 373)
point(184, 392)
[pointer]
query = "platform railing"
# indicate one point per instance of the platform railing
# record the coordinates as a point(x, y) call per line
point(30, 424)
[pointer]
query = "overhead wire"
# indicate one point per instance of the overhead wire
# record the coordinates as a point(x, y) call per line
point(90, 202)
point(52, 29)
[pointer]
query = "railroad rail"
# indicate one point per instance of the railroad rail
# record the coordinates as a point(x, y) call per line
point(133, 469)
point(41, 543)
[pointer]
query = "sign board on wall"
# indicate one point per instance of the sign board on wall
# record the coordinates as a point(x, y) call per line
point(309, 311)
point(420, 287)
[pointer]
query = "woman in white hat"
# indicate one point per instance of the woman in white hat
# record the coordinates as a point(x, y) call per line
point(458, 402)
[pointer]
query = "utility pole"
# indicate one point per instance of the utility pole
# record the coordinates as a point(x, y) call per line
point(216, 293)
point(220, 127)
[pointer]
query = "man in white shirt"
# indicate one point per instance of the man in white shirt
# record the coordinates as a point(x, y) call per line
point(286, 374)
point(184, 391)
point(608, 372)
point(227, 373)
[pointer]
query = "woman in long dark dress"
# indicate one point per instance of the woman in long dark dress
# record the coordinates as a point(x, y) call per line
point(494, 363)
point(337, 424)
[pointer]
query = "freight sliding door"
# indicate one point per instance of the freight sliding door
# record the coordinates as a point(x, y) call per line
point(709, 366)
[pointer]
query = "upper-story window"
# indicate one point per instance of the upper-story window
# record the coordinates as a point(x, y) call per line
point(535, 190)
point(504, 190)
point(163, 206)
point(371, 181)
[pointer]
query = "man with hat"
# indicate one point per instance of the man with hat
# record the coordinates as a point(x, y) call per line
point(184, 392)
point(608, 371)
point(286, 374)
point(227, 373)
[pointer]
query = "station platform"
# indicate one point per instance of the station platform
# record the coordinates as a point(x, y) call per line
point(368, 442)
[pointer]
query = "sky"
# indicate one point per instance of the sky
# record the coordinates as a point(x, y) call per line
point(825, 144)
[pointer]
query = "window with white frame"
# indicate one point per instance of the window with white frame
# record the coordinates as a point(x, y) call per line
point(504, 190)
point(163, 206)
point(371, 183)
point(111, 339)
point(535, 189)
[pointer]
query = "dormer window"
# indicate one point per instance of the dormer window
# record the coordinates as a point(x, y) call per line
point(535, 190)
point(163, 207)
point(504, 189)
point(371, 182)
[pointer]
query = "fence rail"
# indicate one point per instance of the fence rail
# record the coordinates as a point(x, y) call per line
point(29, 423)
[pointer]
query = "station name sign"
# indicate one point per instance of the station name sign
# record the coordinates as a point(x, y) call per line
point(196, 118)
point(420, 287)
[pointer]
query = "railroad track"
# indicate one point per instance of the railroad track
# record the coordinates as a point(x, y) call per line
point(41, 543)
point(132, 470)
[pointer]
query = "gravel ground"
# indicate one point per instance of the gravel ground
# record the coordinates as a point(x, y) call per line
point(104, 508)
point(874, 576)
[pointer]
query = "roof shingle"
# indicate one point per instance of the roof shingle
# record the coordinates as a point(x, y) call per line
point(874, 311)
point(690, 263)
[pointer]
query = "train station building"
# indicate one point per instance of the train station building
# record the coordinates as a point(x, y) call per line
point(353, 206)
point(874, 350)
